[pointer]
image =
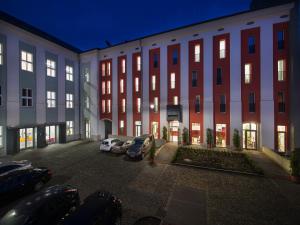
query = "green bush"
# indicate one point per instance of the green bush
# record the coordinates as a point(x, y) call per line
point(295, 162)
point(152, 151)
point(236, 139)
point(209, 137)
point(185, 136)
point(165, 133)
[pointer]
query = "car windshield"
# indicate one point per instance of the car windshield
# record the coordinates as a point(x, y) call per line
point(12, 217)
point(138, 141)
point(5, 169)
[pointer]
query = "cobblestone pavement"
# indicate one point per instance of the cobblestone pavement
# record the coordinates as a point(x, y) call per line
point(145, 189)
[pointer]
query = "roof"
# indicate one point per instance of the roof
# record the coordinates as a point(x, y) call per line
point(25, 26)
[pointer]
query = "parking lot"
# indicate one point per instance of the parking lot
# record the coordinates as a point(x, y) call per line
point(179, 195)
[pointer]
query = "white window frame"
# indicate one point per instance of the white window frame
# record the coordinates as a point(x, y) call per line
point(153, 82)
point(138, 63)
point(197, 51)
point(103, 87)
point(122, 86)
point(108, 68)
point(108, 106)
point(108, 87)
point(103, 69)
point(1, 53)
point(123, 105)
point(138, 105)
point(51, 99)
point(70, 128)
point(137, 84)
point(173, 81)
point(103, 105)
point(281, 69)
point(51, 68)
point(26, 61)
point(175, 100)
point(69, 101)
point(69, 73)
point(222, 49)
point(248, 73)
point(122, 124)
point(27, 98)
point(155, 109)
point(123, 65)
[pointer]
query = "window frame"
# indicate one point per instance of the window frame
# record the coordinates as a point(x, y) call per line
point(51, 101)
point(69, 101)
point(197, 53)
point(69, 73)
point(251, 104)
point(26, 98)
point(195, 81)
point(197, 103)
point(222, 52)
point(27, 62)
point(281, 74)
point(1, 53)
point(172, 80)
point(219, 78)
point(247, 76)
point(69, 127)
point(50, 68)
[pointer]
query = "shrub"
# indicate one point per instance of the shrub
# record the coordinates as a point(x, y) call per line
point(295, 162)
point(185, 136)
point(236, 139)
point(165, 133)
point(209, 137)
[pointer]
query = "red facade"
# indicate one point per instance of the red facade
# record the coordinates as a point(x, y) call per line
point(122, 75)
point(105, 75)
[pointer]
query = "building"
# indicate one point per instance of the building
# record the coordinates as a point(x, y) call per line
point(228, 73)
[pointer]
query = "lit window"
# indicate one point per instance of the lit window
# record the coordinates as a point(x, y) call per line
point(222, 49)
point(87, 75)
point(123, 66)
point(1, 53)
point(69, 101)
point(51, 68)
point(26, 97)
point(51, 99)
point(121, 86)
point(197, 53)
point(87, 102)
point(281, 70)
point(153, 83)
point(138, 63)
point(108, 106)
point(175, 100)
point(196, 126)
point(0, 95)
point(121, 123)
point(103, 87)
point(248, 72)
point(26, 61)
point(123, 105)
point(1, 136)
point(108, 69)
point(137, 84)
point(70, 128)
point(103, 69)
point(155, 104)
point(138, 101)
point(197, 104)
point(108, 87)
point(69, 73)
point(173, 81)
point(103, 106)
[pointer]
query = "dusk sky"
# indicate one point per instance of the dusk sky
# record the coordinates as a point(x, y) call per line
point(87, 24)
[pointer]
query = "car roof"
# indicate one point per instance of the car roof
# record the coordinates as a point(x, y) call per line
point(12, 163)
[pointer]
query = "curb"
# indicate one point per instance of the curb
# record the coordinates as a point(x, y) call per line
point(219, 170)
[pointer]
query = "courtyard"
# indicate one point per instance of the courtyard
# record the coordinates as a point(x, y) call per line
point(177, 195)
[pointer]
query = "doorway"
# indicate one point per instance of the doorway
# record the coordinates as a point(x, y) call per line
point(108, 128)
point(281, 138)
point(250, 136)
point(174, 131)
point(221, 135)
point(51, 134)
point(26, 138)
point(87, 129)
point(138, 128)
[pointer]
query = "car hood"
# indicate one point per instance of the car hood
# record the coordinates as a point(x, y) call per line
point(135, 148)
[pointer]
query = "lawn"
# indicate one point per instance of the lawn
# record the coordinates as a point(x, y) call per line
point(216, 159)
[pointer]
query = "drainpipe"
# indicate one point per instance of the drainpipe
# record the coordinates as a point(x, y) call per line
point(142, 81)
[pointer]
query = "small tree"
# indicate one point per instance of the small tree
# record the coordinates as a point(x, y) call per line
point(209, 137)
point(185, 136)
point(295, 163)
point(165, 133)
point(236, 139)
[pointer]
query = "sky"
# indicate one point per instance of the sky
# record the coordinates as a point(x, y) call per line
point(87, 24)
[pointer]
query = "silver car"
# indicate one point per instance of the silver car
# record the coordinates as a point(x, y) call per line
point(121, 147)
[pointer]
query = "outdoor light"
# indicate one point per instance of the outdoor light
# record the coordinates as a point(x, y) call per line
point(151, 106)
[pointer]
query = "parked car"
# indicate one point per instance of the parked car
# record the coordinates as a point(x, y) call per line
point(140, 146)
point(46, 207)
point(121, 147)
point(107, 144)
point(17, 179)
point(98, 208)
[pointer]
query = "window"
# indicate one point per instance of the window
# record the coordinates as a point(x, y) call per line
point(138, 63)
point(175, 100)
point(1, 136)
point(251, 102)
point(137, 83)
point(196, 126)
point(51, 99)
point(103, 87)
point(70, 128)
point(51, 68)
point(155, 104)
point(194, 79)
point(138, 102)
point(155, 60)
point(0, 95)
point(87, 102)
point(248, 73)
point(123, 105)
point(281, 102)
point(103, 106)
point(123, 66)
point(221, 135)
point(223, 103)
point(1, 53)
point(121, 86)
point(108, 68)
point(108, 87)
point(108, 106)
point(27, 61)
point(197, 104)
point(69, 101)
point(173, 81)
point(281, 69)
point(222, 49)
point(281, 138)
point(197, 53)
point(251, 44)
point(26, 97)
point(175, 56)
point(69, 73)
point(121, 123)
point(219, 76)
point(153, 83)
point(103, 69)
point(87, 75)
point(280, 40)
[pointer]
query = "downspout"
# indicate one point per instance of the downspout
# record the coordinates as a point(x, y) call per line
point(142, 82)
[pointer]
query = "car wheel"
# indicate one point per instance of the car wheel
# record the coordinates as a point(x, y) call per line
point(38, 186)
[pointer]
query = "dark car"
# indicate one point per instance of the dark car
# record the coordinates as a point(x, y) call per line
point(140, 146)
point(121, 147)
point(17, 179)
point(101, 208)
point(46, 207)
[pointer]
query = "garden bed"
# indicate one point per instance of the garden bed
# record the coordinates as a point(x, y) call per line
point(216, 159)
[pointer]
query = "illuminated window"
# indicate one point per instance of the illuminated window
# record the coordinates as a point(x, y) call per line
point(87, 75)
point(121, 86)
point(153, 83)
point(281, 138)
point(103, 106)
point(51, 68)
point(281, 70)
point(26, 61)
point(222, 49)
point(123, 105)
point(108, 87)
point(221, 135)
point(70, 128)
point(69, 73)
point(196, 126)
point(175, 100)
point(26, 97)
point(1, 136)
point(138, 101)
point(108, 106)
point(51, 99)
point(138, 63)
point(137, 84)
point(1, 53)
point(87, 102)
point(69, 101)
point(197, 53)
point(173, 81)
point(103, 69)
point(123, 66)
point(108, 68)
point(121, 123)
point(155, 104)
point(248, 73)
point(103, 87)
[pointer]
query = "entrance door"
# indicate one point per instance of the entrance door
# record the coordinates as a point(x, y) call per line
point(138, 128)
point(87, 129)
point(174, 131)
point(250, 139)
point(51, 134)
point(108, 128)
point(26, 138)
point(221, 135)
point(281, 138)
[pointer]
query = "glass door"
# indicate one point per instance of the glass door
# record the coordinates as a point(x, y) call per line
point(51, 134)
point(251, 139)
point(138, 128)
point(87, 129)
point(174, 131)
point(22, 138)
point(26, 138)
point(221, 135)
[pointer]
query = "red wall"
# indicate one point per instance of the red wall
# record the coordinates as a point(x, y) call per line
point(281, 119)
point(224, 89)
point(194, 91)
point(254, 86)
point(121, 115)
point(105, 96)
